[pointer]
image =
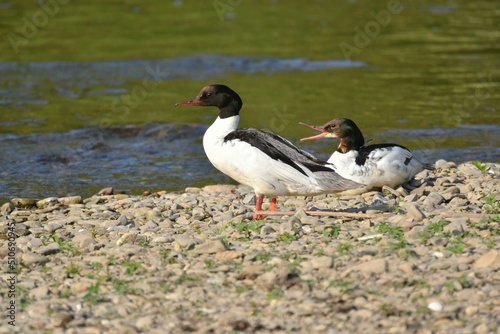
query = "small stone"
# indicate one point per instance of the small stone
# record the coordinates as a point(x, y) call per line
point(219, 188)
point(83, 240)
point(321, 262)
point(105, 191)
point(445, 165)
point(185, 243)
point(266, 229)
point(46, 202)
point(131, 238)
point(7, 208)
point(406, 268)
point(193, 190)
point(31, 259)
point(61, 319)
point(151, 214)
point(435, 306)
point(163, 240)
point(70, 200)
point(229, 255)
point(411, 198)
point(454, 227)
point(490, 259)
point(415, 213)
point(51, 227)
point(23, 202)
point(39, 293)
point(377, 266)
point(52, 248)
point(211, 247)
point(433, 199)
point(402, 191)
point(389, 189)
point(250, 199)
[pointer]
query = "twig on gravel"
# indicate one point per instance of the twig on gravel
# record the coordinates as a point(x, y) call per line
point(467, 214)
point(327, 213)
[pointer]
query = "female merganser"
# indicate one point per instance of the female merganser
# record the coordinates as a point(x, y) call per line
point(374, 165)
point(268, 163)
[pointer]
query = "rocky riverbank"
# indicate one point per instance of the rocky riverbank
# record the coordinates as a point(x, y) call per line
point(424, 258)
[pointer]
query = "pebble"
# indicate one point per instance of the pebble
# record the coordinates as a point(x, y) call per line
point(415, 212)
point(193, 261)
point(52, 248)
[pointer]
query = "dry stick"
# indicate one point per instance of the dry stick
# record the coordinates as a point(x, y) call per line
point(326, 213)
point(467, 214)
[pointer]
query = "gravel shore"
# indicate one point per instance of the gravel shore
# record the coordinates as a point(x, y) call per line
point(423, 258)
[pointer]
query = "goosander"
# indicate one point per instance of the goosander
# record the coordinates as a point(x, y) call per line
point(374, 165)
point(258, 158)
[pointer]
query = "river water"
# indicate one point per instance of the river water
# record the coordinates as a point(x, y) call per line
point(429, 80)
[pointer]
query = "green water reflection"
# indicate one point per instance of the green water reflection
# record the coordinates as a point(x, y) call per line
point(431, 63)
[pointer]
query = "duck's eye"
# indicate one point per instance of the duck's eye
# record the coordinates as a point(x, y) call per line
point(209, 94)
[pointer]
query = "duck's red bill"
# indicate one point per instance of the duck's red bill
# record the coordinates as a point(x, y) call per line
point(317, 128)
point(321, 135)
point(195, 102)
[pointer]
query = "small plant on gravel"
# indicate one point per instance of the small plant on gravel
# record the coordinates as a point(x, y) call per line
point(421, 284)
point(92, 296)
point(164, 288)
point(319, 252)
point(275, 293)
point(243, 288)
point(482, 167)
point(405, 254)
point(209, 264)
point(491, 242)
point(72, 269)
point(464, 281)
point(423, 310)
point(296, 262)
point(344, 248)
point(449, 285)
point(288, 256)
point(146, 243)
point(255, 310)
point(111, 260)
point(386, 229)
point(400, 243)
point(96, 265)
point(226, 241)
point(121, 286)
point(287, 238)
point(24, 298)
point(263, 257)
point(131, 267)
point(457, 249)
point(343, 285)
point(246, 228)
point(431, 230)
point(492, 204)
point(375, 292)
point(331, 231)
point(65, 294)
point(394, 208)
point(64, 246)
point(186, 278)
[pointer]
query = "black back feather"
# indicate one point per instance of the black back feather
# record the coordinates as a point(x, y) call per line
point(278, 148)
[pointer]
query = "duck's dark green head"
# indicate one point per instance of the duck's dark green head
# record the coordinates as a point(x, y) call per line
point(343, 128)
point(221, 96)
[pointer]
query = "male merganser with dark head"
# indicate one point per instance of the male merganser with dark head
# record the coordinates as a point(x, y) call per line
point(374, 165)
point(268, 163)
